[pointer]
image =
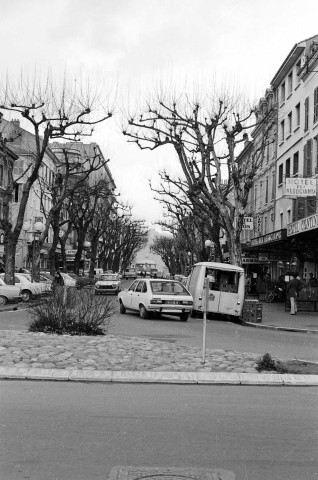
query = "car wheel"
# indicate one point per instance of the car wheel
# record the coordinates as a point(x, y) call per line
point(3, 300)
point(122, 308)
point(143, 312)
point(184, 317)
point(26, 295)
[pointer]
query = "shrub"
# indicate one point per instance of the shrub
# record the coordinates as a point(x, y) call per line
point(72, 312)
point(266, 362)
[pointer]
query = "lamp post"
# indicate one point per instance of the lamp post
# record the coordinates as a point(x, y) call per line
point(208, 245)
point(38, 228)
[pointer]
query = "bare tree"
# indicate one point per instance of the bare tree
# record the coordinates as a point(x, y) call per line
point(207, 138)
point(66, 111)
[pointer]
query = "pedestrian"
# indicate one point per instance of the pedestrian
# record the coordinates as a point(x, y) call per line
point(293, 288)
point(312, 282)
point(57, 282)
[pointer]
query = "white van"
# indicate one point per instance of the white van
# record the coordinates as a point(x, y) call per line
point(226, 288)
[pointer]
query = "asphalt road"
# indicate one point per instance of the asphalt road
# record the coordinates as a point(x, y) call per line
point(67, 431)
point(220, 334)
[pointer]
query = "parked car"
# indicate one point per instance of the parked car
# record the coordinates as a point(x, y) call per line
point(9, 293)
point(28, 289)
point(130, 273)
point(156, 296)
point(109, 283)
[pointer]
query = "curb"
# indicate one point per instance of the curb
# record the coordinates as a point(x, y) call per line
point(283, 329)
point(185, 378)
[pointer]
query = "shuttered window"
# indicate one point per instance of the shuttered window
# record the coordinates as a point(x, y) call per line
point(306, 114)
point(316, 104)
point(308, 159)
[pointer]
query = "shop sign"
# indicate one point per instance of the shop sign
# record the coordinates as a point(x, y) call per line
point(250, 260)
point(301, 187)
point(273, 256)
point(248, 223)
point(303, 225)
point(269, 238)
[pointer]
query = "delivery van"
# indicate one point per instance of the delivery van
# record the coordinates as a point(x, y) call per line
point(226, 288)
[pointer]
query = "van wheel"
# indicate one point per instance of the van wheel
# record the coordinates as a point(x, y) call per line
point(26, 295)
point(184, 317)
point(193, 314)
point(122, 309)
point(3, 300)
point(143, 312)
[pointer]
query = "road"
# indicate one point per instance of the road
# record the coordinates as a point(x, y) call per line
point(220, 334)
point(67, 431)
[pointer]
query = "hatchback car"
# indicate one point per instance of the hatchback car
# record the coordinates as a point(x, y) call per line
point(108, 283)
point(156, 296)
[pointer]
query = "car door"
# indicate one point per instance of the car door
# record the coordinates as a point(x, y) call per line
point(128, 295)
point(139, 294)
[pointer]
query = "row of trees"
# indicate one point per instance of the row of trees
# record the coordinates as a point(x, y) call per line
point(208, 197)
point(67, 112)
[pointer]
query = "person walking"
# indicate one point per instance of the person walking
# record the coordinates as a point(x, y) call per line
point(293, 288)
point(312, 282)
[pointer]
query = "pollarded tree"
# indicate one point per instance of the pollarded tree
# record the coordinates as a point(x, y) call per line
point(207, 138)
point(68, 110)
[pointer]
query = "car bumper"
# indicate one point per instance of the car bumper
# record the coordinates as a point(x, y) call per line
point(169, 310)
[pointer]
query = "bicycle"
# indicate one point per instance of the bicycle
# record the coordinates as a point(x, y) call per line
point(275, 294)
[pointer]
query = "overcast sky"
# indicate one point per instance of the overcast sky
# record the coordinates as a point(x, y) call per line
point(137, 42)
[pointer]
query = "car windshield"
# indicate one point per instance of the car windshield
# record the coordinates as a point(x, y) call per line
point(109, 277)
point(168, 288)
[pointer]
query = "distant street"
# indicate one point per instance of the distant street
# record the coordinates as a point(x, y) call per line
point(69, 431)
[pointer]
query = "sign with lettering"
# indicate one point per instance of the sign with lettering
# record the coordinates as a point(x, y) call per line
point(301, 187)
point(269, 238)
point(303, 225)
point(248, 223)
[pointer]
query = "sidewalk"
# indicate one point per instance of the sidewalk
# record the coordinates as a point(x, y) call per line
point(275, 317)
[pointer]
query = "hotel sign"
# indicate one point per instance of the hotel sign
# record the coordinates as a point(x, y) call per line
point(301, 187)
point(269, 238)
point(303, 225)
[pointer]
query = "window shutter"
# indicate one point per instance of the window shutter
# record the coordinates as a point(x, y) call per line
point(309, 158)
point(305, 160)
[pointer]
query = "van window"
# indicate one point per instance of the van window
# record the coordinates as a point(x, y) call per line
point(222, 280)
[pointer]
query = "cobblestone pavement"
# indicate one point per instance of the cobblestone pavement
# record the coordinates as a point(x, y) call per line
point(39, 350)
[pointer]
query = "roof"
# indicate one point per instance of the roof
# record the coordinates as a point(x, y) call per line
point(221, 266)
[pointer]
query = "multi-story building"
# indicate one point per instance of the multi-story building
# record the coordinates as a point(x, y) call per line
point(284, 197)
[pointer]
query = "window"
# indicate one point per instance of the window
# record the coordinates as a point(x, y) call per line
point(17, 193)
point(255, 196)
point(308, 159)
point(281, 220)
point(315, 104)
point(290, 123)
point(306, 114)
point(265, 225)
point(261, 192)
point(296, 163)
point(266, 190)
point(288, 216)
point(282, 92)
point(280, 174)
point(273, 185)
point(298, 115)
point(287, 172)
point(282, 130)
point(315, 155)
point(290, 82)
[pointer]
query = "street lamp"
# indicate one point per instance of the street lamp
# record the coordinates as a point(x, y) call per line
point(208, 245)
point(38, 228)
point(86, 246)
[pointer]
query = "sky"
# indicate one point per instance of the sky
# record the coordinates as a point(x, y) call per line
point(135, 44)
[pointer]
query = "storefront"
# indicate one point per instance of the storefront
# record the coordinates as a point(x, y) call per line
point(303, 234)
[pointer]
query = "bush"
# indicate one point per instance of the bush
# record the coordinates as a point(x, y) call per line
point(72, 312)
point(266, 362)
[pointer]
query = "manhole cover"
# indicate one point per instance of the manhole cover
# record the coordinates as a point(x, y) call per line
point(169, 473)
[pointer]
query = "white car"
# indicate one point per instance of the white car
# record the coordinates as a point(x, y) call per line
point(29, 289)
point(108, 283)
point(9, 293)
point(156, 296)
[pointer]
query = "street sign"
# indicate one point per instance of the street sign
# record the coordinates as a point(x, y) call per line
point(248, 223)
point(301, 187)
